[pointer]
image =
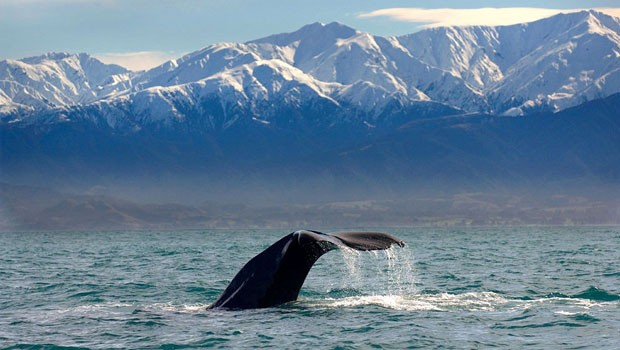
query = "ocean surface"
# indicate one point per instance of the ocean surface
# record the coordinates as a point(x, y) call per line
point(535, 287)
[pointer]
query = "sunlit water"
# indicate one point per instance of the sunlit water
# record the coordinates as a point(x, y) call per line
point(470, 288)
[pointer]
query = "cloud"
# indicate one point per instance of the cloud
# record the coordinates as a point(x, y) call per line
point(137, 60)
point(441, 17)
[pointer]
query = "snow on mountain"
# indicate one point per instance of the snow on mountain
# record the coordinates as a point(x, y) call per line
point(198, 65)
point(460, 51)
point(577, 65)
point(327, 54)
point(57, 80)
point(337, 53)
point(6, 104)
point(549, 64)
point(305, 44)
point(249, 89)
point(487, 69)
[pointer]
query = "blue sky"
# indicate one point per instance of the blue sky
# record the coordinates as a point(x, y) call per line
point(141, 33)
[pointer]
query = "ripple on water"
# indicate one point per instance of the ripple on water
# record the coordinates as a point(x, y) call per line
point(596, 294)
point(446, 289)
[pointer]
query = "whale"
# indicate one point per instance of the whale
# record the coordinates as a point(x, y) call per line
point(275, 276)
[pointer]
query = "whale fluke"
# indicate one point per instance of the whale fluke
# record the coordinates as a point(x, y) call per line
point(276, 275)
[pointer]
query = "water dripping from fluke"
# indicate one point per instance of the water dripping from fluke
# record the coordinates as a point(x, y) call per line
point(382, 278)
point(385, 272)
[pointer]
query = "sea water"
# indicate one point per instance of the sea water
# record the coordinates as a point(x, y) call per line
point(533, 287)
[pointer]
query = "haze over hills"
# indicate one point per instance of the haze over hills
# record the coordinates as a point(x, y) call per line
point(327, 114)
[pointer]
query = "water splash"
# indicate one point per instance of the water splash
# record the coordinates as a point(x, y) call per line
point(351, 259)
point(178, 308)
point(401, 270)
point(387, 279)
point(466, 302)
point(485, 301)
point(380, 272)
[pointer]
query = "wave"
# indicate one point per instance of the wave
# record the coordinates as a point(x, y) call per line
point(472, 301)
point(422, 301)
point(89, 308)
point(418, 302)
point(181, 308)
point(596, 294)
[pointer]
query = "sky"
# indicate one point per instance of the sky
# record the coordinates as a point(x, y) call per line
point(140, 34)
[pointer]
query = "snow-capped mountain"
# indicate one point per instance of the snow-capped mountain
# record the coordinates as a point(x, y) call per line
point(547, 65)
point(57, 80)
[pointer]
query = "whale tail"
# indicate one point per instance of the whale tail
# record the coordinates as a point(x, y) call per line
point(276, 275)
point(368, 240)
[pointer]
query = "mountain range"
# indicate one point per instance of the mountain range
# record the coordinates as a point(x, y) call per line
point(547, 65)
point(327, 113)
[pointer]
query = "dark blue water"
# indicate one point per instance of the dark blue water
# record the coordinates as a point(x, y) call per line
point(469, 288)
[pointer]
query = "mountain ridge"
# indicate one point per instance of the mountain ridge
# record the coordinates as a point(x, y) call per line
point(547, 65)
